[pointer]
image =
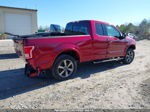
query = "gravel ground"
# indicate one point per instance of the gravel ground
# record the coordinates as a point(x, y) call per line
point(106, 86)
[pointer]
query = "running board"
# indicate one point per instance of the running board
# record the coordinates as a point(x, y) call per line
point(113, 59)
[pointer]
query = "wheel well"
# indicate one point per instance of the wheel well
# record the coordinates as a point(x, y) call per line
point(132, 47)
point(74, 54)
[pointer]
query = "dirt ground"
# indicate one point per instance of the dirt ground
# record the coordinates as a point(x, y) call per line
point(105, 86)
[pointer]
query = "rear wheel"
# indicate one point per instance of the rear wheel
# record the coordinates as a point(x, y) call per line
point(64, 67)
point(129, 56)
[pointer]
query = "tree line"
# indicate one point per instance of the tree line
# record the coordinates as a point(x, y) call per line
point(142, 30)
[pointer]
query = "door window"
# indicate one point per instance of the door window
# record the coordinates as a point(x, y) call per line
point(99, 29)
point(111, 31)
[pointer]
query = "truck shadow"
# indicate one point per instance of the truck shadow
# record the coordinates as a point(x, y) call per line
point(13, 82)
point(85, 70)
point(8, 56)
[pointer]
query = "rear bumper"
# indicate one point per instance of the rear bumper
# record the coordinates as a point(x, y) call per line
point(30, 72)
point(31, 63)
point(39, 65)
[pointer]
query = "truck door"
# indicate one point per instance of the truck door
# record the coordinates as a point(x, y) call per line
point(116, 45)
point(100, 43)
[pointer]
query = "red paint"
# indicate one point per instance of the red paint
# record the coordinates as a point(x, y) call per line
point(87, 48)
point(33, 75)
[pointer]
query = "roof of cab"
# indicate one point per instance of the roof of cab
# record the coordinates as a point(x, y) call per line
point(91, 21)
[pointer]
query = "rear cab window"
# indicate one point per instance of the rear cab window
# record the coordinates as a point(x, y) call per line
point(77, 28)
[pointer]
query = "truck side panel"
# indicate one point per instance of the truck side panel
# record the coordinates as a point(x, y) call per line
point(47, 49)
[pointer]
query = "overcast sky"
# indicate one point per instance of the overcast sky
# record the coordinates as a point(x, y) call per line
point(63, 11)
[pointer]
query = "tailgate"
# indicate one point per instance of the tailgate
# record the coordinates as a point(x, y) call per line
point(18, 44)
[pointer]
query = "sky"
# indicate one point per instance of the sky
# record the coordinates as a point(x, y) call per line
point(62, 11)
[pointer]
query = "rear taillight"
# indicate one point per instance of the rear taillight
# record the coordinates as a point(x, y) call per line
point(28, 52)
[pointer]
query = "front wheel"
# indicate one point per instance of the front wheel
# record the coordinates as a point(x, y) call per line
point(64, 67)
point(129, 56)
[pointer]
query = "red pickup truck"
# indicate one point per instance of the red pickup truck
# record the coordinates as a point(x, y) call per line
point(82, 41)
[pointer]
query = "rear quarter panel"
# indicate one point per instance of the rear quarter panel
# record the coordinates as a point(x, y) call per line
point(47, 49)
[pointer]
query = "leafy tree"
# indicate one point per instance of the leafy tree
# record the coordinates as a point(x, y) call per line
point(142, 30)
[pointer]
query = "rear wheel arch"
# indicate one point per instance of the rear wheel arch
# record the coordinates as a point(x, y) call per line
point(70, 52)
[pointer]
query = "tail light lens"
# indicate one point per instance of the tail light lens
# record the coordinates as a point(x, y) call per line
point(28, 52)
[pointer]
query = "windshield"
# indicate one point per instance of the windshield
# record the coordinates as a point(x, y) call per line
point(77, 28)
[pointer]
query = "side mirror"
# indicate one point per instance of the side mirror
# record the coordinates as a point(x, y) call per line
point(123, 35)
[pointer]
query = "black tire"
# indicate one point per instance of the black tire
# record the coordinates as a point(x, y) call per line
point(129, 56)
point(64, 67)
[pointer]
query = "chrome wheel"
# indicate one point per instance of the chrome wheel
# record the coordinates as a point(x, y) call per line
point(65, 68)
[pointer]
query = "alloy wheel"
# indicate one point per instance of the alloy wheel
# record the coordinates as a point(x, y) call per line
point(65, 68)
point(129, 56)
